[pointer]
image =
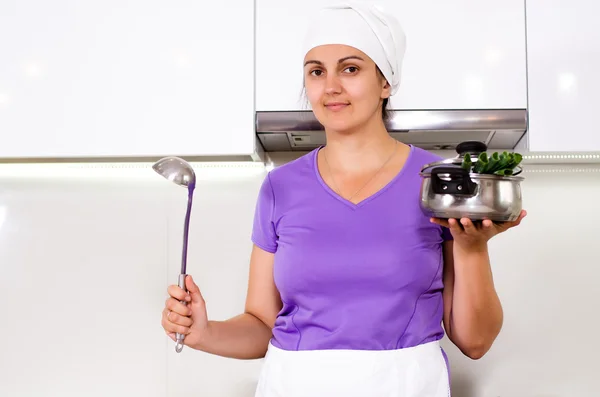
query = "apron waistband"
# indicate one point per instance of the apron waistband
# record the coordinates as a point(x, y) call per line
point(418, 371)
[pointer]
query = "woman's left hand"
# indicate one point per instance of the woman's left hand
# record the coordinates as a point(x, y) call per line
point(470, 236)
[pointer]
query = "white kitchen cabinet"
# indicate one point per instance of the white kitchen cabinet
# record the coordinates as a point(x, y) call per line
point(563, 47)
point(126, 78)
point(461, 54)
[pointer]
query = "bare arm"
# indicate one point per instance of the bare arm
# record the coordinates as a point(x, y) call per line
point(247, 336)
point(472, 311)
point(473, 314)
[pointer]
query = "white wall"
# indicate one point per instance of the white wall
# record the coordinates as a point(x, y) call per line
point(84, 274)
point(86, 255)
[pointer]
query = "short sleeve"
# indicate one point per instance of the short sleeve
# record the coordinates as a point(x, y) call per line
point(263, 228)
point(446, 235)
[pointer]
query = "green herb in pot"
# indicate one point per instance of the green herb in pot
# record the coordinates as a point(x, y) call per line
point(481, 163)
point(493, 163)
point(497, 164)
point(467, 163)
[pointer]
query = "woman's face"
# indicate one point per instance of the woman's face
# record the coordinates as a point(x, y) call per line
point(343, 86)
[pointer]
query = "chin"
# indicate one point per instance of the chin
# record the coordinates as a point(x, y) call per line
point(339, 125)
point(338, 122)
point(342, 128)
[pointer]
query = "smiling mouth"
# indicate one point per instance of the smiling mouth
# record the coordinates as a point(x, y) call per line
point(336, 105)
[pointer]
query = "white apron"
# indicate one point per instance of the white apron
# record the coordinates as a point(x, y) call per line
point(418, 371)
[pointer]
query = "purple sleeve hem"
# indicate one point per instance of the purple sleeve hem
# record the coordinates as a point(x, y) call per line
point(264, 247)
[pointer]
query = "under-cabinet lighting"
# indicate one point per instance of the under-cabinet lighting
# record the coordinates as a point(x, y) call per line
point(143, 170)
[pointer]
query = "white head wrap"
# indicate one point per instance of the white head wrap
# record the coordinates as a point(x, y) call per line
point(366, 27)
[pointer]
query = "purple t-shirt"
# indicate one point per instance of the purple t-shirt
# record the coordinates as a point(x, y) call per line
point(363, 277)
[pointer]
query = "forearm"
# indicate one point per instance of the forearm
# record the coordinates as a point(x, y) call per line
point(476, 317)
point(241, 337)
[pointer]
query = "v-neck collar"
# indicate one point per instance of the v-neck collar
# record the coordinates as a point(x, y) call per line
point(368, 199)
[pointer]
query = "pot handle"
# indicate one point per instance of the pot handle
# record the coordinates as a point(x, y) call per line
point(459, 183)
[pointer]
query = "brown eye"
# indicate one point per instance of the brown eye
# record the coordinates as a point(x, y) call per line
point(352, 69)
point(316, 73)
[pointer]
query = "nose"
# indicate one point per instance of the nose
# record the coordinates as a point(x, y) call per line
point(334, 85)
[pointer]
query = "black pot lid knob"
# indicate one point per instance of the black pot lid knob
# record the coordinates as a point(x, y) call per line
point(472, 147)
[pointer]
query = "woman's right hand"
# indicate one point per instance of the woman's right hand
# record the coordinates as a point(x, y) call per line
point(190, 319)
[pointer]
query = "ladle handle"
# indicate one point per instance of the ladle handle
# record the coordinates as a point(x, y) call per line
point(180, 337)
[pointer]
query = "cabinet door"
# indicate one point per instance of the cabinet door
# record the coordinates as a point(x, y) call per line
point(133, 78)
point(460, 53)
point(563, 47)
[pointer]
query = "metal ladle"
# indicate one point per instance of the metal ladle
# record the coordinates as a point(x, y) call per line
point(180, 172)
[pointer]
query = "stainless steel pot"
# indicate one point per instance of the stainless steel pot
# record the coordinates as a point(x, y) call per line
point(450, 191)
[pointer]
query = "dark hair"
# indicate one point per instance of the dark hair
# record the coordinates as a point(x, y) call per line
point(384, 110)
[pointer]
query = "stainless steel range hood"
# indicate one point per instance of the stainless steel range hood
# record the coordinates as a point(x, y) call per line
point(281, 131)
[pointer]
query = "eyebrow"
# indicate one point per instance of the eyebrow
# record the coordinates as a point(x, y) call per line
point(339, 60)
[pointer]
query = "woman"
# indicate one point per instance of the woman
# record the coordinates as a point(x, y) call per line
point(350, 282)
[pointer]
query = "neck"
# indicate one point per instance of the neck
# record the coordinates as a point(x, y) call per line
point(360, 150)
